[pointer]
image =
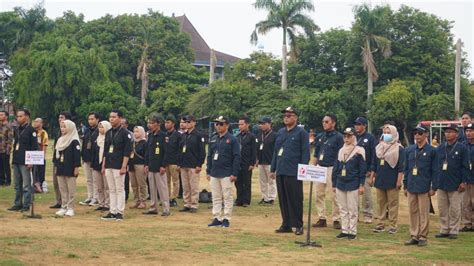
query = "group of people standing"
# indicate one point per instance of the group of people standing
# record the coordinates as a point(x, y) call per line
point(157, 161)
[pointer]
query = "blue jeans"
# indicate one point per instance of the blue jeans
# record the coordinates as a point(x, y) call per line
point(23, 188)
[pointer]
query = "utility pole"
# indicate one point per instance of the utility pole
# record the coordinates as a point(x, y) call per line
point(457, 78)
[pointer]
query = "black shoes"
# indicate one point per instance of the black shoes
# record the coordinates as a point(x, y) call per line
point(283, 229)
point(336, 225)
point(320, 223)
point(225, 223)
point(15, 208)
point(342, 235)
point(215, 223)
point(422, 243)
point(165, 214)
point(193, 210)
point(150, 212)
point(453, 236)
point(299, 231)
point(441, 235)
point(412, 242)
point(55, 206)
point(466, 229)
point(109, 217)
point(119, 217)
point(173, 203)
point(185, 209)
point(351, 237)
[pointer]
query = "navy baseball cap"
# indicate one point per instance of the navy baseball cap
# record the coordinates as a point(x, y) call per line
point(264, 120)
point(361, 121)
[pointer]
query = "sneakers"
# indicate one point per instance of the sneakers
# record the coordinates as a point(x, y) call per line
point(367, 220)
point(262, 202)
point(151, 212)
point(93, 203)
point(119, 217)
point(453, 236)
point(85, 203)
point(215, 223)
point(342, 235)
point(351, 237)
point(336, 225)
point(61, 212)
point(270, 202)
point(109, 217)
point(225, 223)
point(378, 229)
point(392, 231)
point(411, 242)
point(70, 212)
point(101, 209)
point(165, 214)
point(283, 229)
point(320, 223)
point(193, 210)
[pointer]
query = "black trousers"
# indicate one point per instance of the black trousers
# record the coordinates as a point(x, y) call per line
point(5, 169)
point(290, 197)
point(244, 186)
point(39, 173)
point(127, 185)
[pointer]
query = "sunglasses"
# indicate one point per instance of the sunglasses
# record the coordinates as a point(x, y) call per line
point(288, 115)
point(419, 133)
point(220, 124)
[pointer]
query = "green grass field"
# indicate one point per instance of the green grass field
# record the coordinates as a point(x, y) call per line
point(185, 238)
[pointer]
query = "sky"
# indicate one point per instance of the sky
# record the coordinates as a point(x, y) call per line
point(226, 25)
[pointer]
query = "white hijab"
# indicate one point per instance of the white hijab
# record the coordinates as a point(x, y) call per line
point(69, 136)
point(389, 151)
point(142, 134)
point(101, 138)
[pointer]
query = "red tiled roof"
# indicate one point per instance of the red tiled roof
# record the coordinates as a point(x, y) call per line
point(201, 48)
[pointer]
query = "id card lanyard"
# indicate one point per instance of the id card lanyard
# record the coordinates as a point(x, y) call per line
point(445, 164)
point(382, 160)
point(111, 148)
point(344, 171)
point(321, 155)
point(417, 156)
point(264, 137)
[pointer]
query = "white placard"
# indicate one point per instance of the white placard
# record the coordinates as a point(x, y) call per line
point(34, 157)
point(312, 173)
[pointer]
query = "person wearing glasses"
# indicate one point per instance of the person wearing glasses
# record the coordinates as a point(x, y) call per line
point(291, 149)
point(348, 179)
point(223, 165)
point(419, 174)
point(326, 151)
point(453, 167)
point(190, 160)
point(368, 142)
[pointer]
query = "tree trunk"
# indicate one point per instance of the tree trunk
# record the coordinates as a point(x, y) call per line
point(284, 63)
point(405, 133)
point(370, 90)
point(144, 91)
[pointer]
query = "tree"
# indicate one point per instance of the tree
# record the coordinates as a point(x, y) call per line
point(370, 24)
point(287, 15)
point(437, 107)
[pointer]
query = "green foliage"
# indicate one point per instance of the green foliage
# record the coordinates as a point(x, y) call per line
point(437, 107)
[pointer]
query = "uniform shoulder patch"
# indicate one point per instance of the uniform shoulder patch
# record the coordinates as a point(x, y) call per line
point(34, 134)
point(256, 140)
point(202, 139)
point(78, 147)
point(366, 140)
point(129, 136)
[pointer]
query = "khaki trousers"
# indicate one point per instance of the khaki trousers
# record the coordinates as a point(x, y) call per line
point(367, 203)
point(116, 183)
point(57, 192)
point(321, 190)
point(67, 187)
point(268, 186)
point(138, 181)
point(348, 202)
point(158, 187)
point(468, 207)
point(449, 205)
point(222, 193)
point(190, 180)
point(91, 187)
point(173, 180)
point(387, 199)
point(419, 211)
point(103, 197)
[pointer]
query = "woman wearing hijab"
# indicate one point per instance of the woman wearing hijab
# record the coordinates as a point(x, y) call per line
point(67, 160)
point(97, 157)
point(388, 177)
point(136, 168)
point(348, 179)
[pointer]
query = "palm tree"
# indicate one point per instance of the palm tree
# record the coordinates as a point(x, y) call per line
point(369, 24)
point(287, 15)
